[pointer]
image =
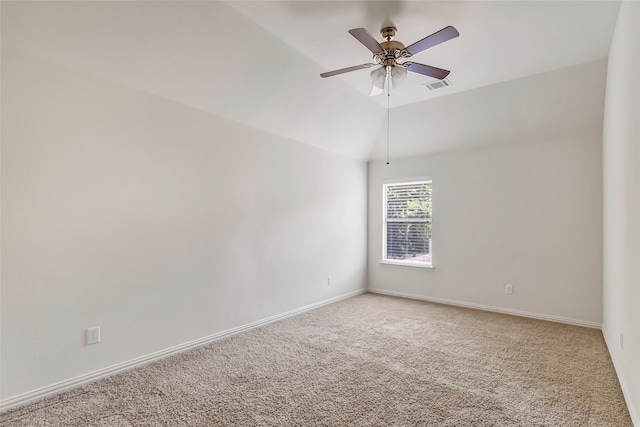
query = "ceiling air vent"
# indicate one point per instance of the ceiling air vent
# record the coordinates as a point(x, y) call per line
point(438, 85)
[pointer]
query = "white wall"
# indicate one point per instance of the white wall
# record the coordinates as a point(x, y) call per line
point(519, 200)
point(160, 223)
point(558, 104)
point(525, 214)
point(621, 173)
point(204, 54)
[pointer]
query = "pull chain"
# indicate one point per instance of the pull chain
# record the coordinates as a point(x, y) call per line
point(388, 114)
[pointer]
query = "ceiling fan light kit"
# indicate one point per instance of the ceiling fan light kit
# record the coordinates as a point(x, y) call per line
point(391, 56)
point(378, 77)
point(398, 74)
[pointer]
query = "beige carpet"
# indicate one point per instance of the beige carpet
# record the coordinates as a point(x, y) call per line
point(370, 360)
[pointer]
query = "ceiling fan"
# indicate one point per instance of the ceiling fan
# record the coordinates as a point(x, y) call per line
point(391, 56)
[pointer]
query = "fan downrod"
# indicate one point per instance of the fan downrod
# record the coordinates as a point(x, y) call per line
point(388, 33)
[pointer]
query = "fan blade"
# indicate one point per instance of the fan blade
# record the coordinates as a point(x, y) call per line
point(366, 39)
point(346, 70)
point(427, 70)
point(447, 33)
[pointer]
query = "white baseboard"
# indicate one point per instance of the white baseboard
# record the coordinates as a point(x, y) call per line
point(31, 396)
point(520, 313)
point(635, 417)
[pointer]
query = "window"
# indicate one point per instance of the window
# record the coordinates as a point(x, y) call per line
point(406, 223)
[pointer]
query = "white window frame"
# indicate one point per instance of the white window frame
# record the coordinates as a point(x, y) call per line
point(385, 221)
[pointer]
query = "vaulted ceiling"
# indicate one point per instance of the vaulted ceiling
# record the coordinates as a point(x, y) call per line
point(258, 62)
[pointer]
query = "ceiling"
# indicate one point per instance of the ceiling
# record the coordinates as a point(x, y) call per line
point(499, 40)
point(258, 62)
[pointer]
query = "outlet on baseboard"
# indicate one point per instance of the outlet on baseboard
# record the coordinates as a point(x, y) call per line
point(93, 335)
point(508, 288)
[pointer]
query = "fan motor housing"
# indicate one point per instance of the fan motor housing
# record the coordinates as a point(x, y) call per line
point(392, 45)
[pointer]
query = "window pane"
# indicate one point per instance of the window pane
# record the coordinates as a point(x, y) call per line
point(409, 201)
point(407, 222)
point(410, 241)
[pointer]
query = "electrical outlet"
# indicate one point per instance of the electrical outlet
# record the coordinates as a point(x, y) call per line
point(329, 281)
point(93, 335)
point(508, 289)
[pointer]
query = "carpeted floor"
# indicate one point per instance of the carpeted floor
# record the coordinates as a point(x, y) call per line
point(370, 360)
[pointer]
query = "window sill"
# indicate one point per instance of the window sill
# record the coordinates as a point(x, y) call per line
point(407, 264)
